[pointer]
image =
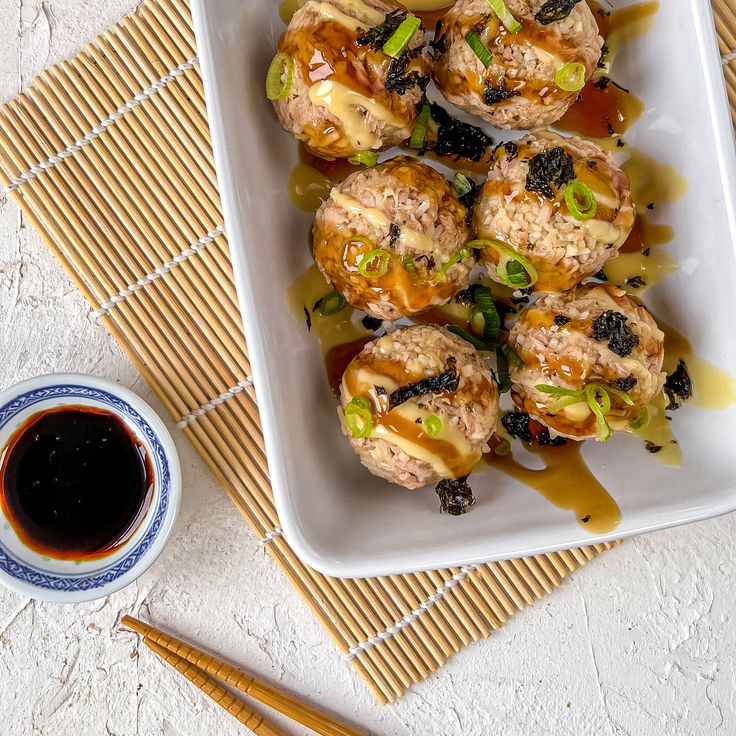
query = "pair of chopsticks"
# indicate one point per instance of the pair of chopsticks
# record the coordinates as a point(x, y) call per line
point(197, 667)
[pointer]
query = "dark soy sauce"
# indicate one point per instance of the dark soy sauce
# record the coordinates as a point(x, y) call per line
point(74, 482)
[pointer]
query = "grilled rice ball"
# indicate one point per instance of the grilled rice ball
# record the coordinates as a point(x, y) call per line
point(522, 87)
point(391, 239)
point(418, 406)
point(560, 203)
point(346, 94)
point(592, 361)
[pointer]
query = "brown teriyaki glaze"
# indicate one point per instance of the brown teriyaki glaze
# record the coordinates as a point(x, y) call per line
point(75, 483)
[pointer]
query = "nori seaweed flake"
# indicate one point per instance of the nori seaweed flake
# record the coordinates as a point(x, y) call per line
point(456, 496)
point(651, 447)
point(467, 296)
point(457, 139)
point(554, 166)
point(371, 323)
point(516, 423)
point(492, 95)
point(308, 318)
point(636, 282)
point(561, 320)
point(625, 384)
point(612, 326)
point(678, 385)
point(397, 80)
point(377, 36)
point(544, 439)
point(394, 233)
point(555, 10)
point(447, 381)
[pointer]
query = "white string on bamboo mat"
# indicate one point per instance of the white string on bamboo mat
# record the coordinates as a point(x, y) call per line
point(102, 126)
point(273, 534)
point(157, 273)
point(239, 387)
point(410, 618)
point(728, 58)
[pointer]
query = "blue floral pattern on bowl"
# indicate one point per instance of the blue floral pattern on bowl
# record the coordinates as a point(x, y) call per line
point(72, 583)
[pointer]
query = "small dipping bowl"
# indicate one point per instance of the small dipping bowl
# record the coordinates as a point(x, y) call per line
point(71, 581)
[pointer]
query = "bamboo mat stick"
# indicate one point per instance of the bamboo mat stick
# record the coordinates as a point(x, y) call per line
point(236, 708)
point(290, 706)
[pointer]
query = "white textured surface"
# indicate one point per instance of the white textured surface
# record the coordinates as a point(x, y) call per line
point(641, 642)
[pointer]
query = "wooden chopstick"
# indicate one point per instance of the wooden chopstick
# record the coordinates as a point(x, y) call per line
point(290, 706)
point(235, 707)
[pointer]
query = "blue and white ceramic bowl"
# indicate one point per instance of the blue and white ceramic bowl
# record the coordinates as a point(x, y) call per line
point(67, 581)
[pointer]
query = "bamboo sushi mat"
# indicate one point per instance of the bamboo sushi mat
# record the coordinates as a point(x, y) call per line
point(109, 157)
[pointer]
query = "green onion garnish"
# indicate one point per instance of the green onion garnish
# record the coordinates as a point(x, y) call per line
point(479, 49)
point(432, 425)
point(614, 391)
point(279, 77)
point(571, 77)
point(499, 8)
point(474, 341)
point(580, 200)
point(420, 129)
point(502, 367)
point(358, 417)
point(367, 158)
point(600, 404)
point(461, 185)
point(373, 265)
point(408, 262)
point(641, 421)
point(512, 356)
point(521, 276)
point(401, 37)
point(491, 320)
point(456, 258)
point(563, 397)
point(331, 303)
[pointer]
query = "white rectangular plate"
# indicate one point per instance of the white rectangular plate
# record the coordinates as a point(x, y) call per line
point(337, 517)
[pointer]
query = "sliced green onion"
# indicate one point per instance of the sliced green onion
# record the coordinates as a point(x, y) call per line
point(600, 404)
point(516, 278)
point(502, 367)
point(419, 135)
point(571, 77)
point(402, 36)
point(479, 49)
point(332, 303)
point(278, 85)
point(512, 356)
point(456, 258)
point(563, 397)
point(617, 392)
point(641, 421)
point(461, 185)
point(367, 158)
point(358, 417)
point(432, 425)
point(491, 320)
point(580, 200)
point(499, 8)
point(408, 262)
point(474, 341)
point(379, 257)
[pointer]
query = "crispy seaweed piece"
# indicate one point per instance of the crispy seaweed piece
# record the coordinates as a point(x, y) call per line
point(554, 166)
point(439, 42)
point(377, 36)
point(612, 326)
point(456, 496)
point(625, 384)
point(467, 296)
point(561, 320)
point(636, 282)
point(651, 447)
point(371, 323)
point(308, 318)
point(397, 80)
point(545, 440)
point(457, 139)
point(555, 10)
point(516, 423)
point(468, 200)
point(492, 95)
point(678, 386)
point(448, 381)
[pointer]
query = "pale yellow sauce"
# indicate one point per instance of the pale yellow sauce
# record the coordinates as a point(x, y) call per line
point(330, 331)
point(629, 24)
point(655, 267)
point(348, 107)
point(651, 180)
point(423, 5)
point(658, 431)
point(308, 188)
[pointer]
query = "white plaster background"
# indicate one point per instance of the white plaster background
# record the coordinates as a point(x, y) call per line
point(641, 642)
